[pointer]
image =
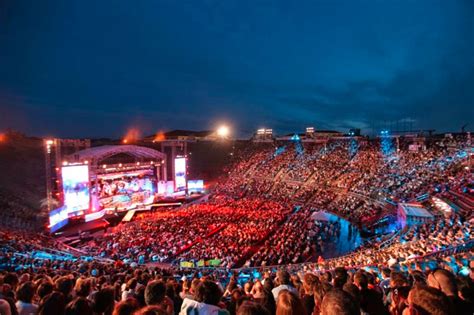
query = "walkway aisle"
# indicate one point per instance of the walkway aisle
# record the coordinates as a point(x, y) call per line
point(345, 243)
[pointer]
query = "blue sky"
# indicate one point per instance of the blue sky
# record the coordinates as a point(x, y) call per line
point(83, 68)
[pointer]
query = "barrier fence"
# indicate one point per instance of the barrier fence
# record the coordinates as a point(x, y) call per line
point(315, 266)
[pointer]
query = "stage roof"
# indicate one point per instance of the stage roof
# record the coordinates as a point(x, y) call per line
point(97, 154)
point(416, 211)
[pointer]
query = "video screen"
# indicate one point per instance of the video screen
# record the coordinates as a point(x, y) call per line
point(196, 186)
point(124, 191)
point(180, 173)
point(75, 188)
point(57, 219)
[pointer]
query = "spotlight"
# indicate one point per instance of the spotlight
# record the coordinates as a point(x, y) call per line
point(223, 131)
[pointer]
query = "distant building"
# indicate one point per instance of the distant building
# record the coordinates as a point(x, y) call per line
point(312, 135)
point(184, 135)
point(263, 135)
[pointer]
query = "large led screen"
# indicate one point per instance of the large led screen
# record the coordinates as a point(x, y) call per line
point(180, 173)
point(124, 191)
point(76, 187)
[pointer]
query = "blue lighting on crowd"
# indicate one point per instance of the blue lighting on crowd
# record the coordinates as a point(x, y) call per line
point(297, 141)
point(353, 147)
point(279, 151)
point(386, 143)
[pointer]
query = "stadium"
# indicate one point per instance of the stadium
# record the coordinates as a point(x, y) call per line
point(317, 207)
point(237, 157)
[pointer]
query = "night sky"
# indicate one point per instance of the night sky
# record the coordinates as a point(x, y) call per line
point(77, 68)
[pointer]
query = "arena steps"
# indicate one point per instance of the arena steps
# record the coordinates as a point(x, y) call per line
point(463, 198)
point(466, 206)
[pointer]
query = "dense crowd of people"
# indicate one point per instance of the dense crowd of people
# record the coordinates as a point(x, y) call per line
point(258, 230)
point(296, 241)
point(430, 286)
point(253, 221)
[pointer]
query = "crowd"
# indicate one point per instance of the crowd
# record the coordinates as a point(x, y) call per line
point(258, 227)
point(160, 236)
point(363, 179)
point(22, 218)
point(253, 221)
point(299, 239)
point(429, 286)
point(252, 218)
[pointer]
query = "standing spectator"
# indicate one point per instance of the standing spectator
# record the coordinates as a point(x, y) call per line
point(310, 281)
point(155, 294)
point(24, 295)
point(104, 301)
point(4, 307)
point(207, 300)
point(127, 307)
point(78, 306)
point(339, 302)
point(446, 282)
point(371, 301)
point(52, 304)
point(284, 283)
point(289, 303)
point(428, 300)
point(252, 308)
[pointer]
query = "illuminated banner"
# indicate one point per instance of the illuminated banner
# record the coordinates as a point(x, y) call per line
point(180, 173)
point(196, 185)
point(76, 187)
point(58, 218)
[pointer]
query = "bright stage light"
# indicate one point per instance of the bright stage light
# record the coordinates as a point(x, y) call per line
point(223, 131)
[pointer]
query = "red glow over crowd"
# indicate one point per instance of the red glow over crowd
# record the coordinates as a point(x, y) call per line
point(254, 247)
